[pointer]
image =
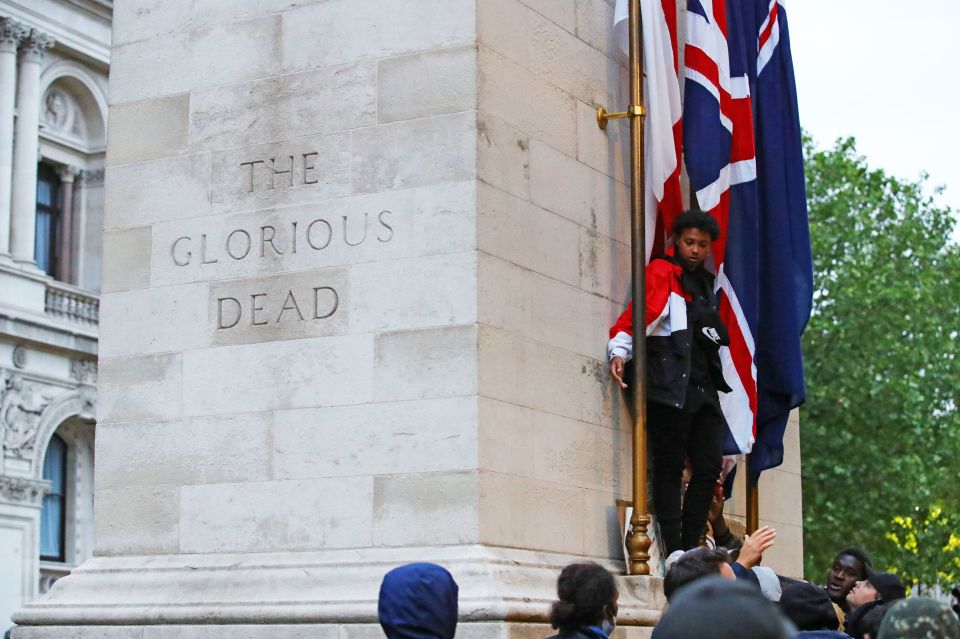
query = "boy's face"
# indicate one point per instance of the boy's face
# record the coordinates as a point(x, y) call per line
point(693, 246)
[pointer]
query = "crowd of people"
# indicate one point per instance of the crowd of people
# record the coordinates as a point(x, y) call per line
point(718, 590)
point(712, 593)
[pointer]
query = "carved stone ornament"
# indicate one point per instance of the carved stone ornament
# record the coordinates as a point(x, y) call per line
point(35, 45)
point(88, 398)
point(11, 33)
point(56, 110)
point(16, 489)
point(84, 371)
point(21, 405)
point(19, 356)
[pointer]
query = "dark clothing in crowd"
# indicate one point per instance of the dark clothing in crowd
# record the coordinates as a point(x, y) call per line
point(418, 601)
point(745, 575)
point(809, 607)
point(718, 608)
point(705, 367)
point(854, 621)
point(821, 634)
point(920, 618)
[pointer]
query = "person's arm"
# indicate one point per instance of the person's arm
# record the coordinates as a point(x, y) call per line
point(745, 574)
point(620, 347)
point(722, 535)
point(754, 546)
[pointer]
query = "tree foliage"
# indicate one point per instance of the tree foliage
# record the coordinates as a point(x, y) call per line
point(880, 428)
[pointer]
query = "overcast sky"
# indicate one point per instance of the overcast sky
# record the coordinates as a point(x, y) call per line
point(883, 71)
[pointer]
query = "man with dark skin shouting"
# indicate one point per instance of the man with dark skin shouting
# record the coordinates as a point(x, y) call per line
point(849, 566)
point(684, 376)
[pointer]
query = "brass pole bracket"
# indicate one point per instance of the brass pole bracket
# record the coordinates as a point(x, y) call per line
point(633, 111)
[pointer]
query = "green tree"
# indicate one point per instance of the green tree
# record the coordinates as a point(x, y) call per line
point(928, 532)
point(880, 430)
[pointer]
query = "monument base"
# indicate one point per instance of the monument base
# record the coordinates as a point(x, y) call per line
point(167, 595)
point(465, 630)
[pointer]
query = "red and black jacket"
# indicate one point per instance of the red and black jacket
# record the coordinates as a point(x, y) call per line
point(670, 334)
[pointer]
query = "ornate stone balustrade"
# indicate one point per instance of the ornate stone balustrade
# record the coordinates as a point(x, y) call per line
point(72, 304)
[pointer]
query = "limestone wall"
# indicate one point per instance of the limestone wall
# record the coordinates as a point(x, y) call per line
point(290, 304)
point(553, 270)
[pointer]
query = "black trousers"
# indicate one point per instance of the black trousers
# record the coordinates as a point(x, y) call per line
point(694, 431)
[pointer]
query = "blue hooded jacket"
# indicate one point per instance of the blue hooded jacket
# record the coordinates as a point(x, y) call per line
point(418, 601)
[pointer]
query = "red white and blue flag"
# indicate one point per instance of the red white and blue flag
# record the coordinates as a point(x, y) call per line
point(742, 146)
point(741, 142)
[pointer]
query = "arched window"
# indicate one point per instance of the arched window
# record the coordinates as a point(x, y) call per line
point(53, 517)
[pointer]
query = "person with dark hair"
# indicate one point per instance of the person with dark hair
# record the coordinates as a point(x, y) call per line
point(586, 606)
point(418, 601)
point(695, 565)
point(869, 626)
point(919, 618)
point(878, 588)
point(717, 608)
point(684, 375)
point(850, 565)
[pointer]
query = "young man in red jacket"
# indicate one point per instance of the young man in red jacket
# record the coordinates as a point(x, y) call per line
point(684, 376)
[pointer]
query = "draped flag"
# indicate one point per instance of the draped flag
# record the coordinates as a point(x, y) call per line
point(721, 162)
point(786, 277)
point(661, 92)
point(740, 133)
point(743, 153)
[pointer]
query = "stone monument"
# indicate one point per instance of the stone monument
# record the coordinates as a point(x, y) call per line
point(359, 261)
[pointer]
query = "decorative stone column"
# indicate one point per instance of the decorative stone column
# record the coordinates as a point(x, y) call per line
point(11, 33)
point(65, 241)
point(26, 146)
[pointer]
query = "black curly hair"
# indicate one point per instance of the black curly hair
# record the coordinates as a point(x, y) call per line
point(583, 590)
point(860, 555)
point(696, 220)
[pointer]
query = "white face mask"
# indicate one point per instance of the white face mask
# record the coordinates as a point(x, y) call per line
point(608, 625)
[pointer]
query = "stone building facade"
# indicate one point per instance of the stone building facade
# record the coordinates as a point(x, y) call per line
point(53, 106)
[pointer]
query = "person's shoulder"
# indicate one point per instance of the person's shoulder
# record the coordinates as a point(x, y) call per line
point(662, 265)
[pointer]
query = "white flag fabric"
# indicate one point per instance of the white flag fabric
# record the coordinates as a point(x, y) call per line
point(664, 110)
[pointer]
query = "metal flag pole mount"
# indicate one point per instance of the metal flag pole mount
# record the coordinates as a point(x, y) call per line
point(638, 542)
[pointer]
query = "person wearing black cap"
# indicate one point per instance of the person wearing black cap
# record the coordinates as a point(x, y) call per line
point(718, 608)
point(811, 610)
point(878, 588)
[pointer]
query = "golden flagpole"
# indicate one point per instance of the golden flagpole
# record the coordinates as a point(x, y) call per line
point(753, 500)
point(638, 542)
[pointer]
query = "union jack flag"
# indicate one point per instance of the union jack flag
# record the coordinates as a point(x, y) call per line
point(742, 146)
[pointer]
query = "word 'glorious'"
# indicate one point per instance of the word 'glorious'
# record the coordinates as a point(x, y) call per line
point(269, 240)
